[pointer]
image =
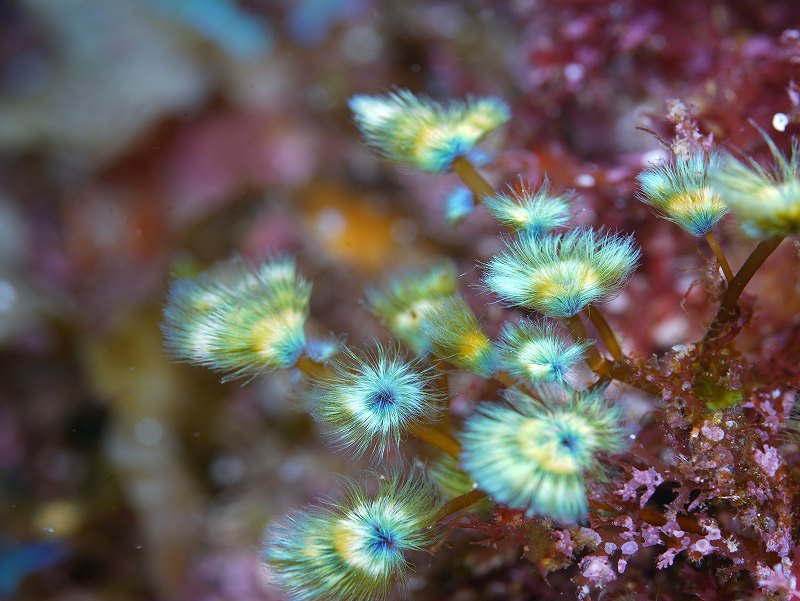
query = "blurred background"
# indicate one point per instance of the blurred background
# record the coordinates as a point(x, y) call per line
point(145, 138)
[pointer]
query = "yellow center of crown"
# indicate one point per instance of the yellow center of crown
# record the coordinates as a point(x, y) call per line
point(563, 278)
point(270, 331)
point(473, 346)
point(691, 202)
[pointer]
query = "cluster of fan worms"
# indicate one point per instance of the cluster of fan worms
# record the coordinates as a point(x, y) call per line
point(547, 451)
